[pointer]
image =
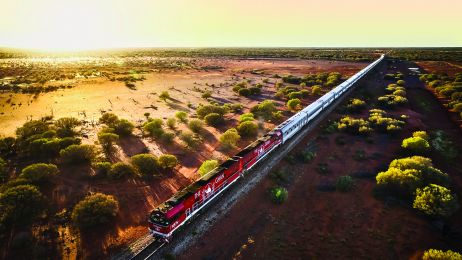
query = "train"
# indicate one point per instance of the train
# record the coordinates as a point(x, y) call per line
point(164, 220)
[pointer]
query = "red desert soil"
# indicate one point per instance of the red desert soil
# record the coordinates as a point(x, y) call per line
point(335, 225)
point(439, 67)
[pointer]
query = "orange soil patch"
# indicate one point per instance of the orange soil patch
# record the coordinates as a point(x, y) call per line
point(449, 68)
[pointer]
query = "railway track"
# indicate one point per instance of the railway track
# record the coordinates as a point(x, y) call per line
point(153, 249)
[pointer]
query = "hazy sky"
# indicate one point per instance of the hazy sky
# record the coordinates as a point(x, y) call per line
point(84, 24)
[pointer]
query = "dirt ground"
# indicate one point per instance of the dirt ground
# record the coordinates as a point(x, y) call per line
point(315, 224)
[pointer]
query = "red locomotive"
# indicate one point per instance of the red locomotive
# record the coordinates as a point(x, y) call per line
point(173, 213)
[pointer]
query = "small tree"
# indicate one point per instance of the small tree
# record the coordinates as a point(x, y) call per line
point(207, 166)
point(247, 129)
point(96, 209)
point(436, 201)
point(206, 94)
point(108, 119)
point(196, 125)
point(123, 127)
point(182, 116)
point(20, 204)
point(434, 254)
point(230, 138)
point(76, 154)
point(167, 161)
point(294, 104)
point(121, 170)
point(146, 164)
point(66, 126)
point(39, 172)
point(416, 144)
point(107, 141)
point(214, 119)
point(164, 96)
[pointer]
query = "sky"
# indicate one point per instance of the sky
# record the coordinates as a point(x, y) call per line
point(94, 24)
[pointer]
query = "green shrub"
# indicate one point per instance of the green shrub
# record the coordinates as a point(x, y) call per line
point(39, 172)
point(244, 92)
point(401, 82)
point(316, 90)
point(167, 161)
point(246, 117)
point(296, 94)
point(94, 210)
point(214, 119)
point(76, 154)
point(344, 183)
point(20, 204)
point(182, 116)
point(294, 104)
point(107, 140)
point(171, 123)
point(102, 168)
point(230, 138)
point(204, 110)
point(436, 201)
point(196, 125)
point(191, 140)
point(167, 137)
point(457, 108)
point(164, 96)
point(207, 166)
point(279, 194)
point(247, 129)
point(434, 254)
point(154, 127)
point(254, 90)
point(416, 145)
point(146, 164)
point(354, 126)
point(65, 127)
point(121, 170)
point(206, 94)
point(123, 127)
point(406, 174)
point(265, 109)
point(400, 93)
point(109, 119)
point(421, 134)
point(356, 104)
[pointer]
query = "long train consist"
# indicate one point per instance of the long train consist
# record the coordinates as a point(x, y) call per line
point(170, 215)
